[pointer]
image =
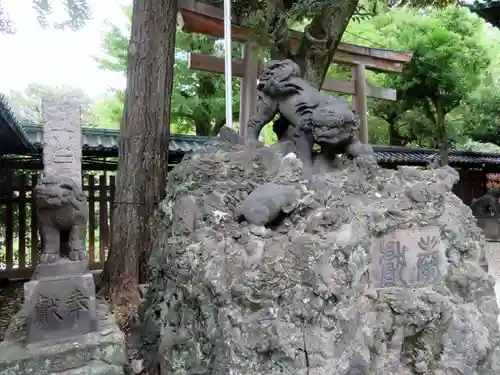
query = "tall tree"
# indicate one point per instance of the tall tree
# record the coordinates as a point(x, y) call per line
point(198, 101)
point(142, 166)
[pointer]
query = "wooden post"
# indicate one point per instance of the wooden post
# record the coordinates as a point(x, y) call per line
point(22, 221)
point(34, 222)
point(91, 225)
point(248, 87)
point(359, 76)
point(9, 222)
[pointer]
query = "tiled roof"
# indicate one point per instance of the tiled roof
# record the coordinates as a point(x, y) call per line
point(104, 142)
point(419, 156)
point(11, 134)
point(488, 10)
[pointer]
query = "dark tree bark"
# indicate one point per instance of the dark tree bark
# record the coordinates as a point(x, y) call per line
point(142, 167)
point(321, 36)
point(395, 138)
point(442, 135)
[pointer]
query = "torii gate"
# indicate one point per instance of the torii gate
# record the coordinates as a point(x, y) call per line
point(198, 17)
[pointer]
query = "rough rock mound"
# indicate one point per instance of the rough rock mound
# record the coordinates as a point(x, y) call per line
point(352, 272)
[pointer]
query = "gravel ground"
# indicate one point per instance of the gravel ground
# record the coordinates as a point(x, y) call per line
point(11, 299)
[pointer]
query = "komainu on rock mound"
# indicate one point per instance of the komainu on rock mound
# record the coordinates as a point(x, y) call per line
point(263, 272)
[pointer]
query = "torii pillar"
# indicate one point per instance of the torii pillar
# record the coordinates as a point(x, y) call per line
point(248, 85)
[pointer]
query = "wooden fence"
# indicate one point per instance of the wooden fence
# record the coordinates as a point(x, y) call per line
point(19, 237)
point(472, 184)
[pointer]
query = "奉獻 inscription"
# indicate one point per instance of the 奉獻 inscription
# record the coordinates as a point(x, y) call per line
point(392, 263)
point(428, 259)
point(60, 308)
point(408, 257)
point(51, 310)
point(47, 308)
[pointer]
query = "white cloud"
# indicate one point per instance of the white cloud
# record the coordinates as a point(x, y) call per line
point(34, 55)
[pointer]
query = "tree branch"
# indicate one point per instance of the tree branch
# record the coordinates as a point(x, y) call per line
point(277, 30)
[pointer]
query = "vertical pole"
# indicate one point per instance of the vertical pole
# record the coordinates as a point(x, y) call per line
point(353, 103)
point(248, 88)
point(359, 75)
point(228, 60)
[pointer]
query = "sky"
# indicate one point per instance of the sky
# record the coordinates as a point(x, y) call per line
point(50, 57)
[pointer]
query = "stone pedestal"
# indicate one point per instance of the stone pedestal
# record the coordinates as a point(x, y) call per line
point(60, 302)
point(97, 353)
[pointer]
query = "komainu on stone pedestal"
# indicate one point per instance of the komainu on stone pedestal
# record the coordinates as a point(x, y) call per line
point(264, 272)
point(60, 298)
point(62, 218)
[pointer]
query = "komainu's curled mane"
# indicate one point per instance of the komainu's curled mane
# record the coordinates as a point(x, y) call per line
point(309, 115)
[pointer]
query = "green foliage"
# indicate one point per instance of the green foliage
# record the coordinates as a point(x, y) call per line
point(198, 99)
point(77, 13)
point(107, 113)
point(378, 131)
point(481, 119)
point(28, 104)
point(449, 62)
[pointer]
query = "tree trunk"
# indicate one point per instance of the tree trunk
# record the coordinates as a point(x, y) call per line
point(394, 138)
point(442, 135)
point(142, 167)
point(203, 128)
point(321, 38)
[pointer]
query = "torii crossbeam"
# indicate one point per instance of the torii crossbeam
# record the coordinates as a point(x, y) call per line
point(198, 17)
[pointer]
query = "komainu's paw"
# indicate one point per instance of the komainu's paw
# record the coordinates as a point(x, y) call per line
point(49, 258)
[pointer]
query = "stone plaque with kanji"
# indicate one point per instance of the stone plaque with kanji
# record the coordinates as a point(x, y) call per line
point(60, 307)
point(407, 258)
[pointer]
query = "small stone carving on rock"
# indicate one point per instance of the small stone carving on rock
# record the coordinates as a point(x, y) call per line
point(310, 117)
point(267, 202)
point(62, 218)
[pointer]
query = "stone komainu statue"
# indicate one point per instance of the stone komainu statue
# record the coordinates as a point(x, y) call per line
point(62, 219)
point(487, 205)
point(308, 116)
